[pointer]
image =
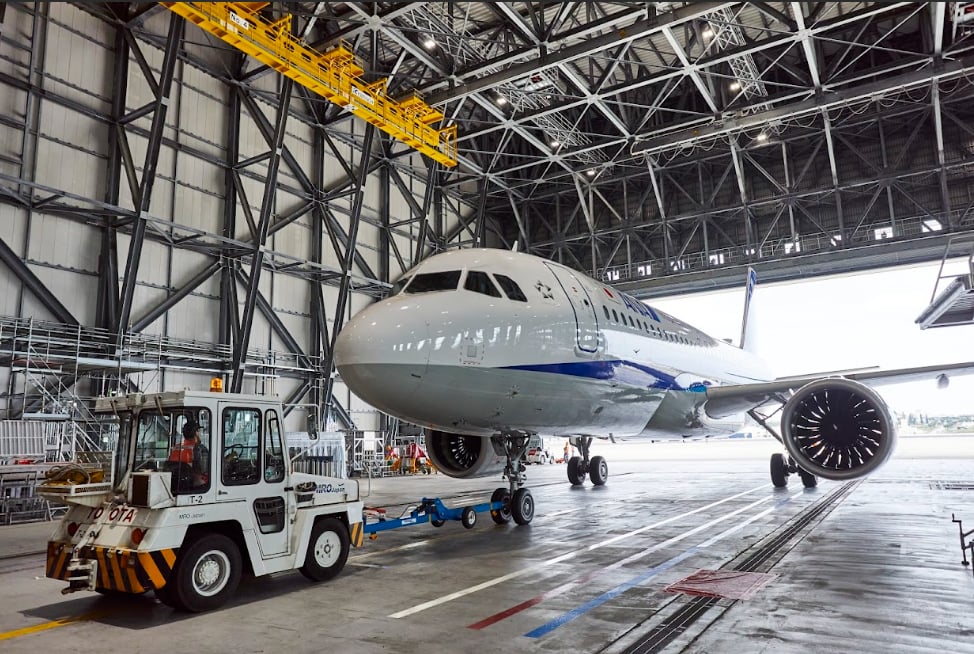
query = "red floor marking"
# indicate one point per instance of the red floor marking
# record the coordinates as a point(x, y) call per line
point(517, 608)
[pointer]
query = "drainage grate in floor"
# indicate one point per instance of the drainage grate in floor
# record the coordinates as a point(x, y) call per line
point(952, 485)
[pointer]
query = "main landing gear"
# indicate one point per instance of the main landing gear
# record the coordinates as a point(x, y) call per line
point(781, 468)
point(596, 467)
point(518, 501)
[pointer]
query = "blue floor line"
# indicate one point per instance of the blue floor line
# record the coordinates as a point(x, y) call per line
point(565, 618)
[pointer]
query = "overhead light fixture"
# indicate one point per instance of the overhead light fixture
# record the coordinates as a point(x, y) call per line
point(735, 86)
point(590, 172)
point(429, 43)
point(555, 143)
point(501, 100)
point(762, 137)
point(708, 33)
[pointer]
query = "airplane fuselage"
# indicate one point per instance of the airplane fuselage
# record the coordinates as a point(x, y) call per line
point(482, 342)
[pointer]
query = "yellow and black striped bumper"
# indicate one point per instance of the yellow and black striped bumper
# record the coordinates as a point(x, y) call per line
point(357, 534)
point(120, 569)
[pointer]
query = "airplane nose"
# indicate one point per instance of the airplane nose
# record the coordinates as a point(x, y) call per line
point(382, 354)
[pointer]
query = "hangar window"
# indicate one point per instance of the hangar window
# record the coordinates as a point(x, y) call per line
point(510, 288)
point(479, 282)
point(437, 281)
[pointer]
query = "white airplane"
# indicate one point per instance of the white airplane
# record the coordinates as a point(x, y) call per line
point(486, 348)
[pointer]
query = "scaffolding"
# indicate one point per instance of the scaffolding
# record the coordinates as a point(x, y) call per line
point(334, 75)
point(54, 370)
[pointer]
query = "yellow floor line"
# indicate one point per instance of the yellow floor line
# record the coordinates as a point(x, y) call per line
point(44, 626)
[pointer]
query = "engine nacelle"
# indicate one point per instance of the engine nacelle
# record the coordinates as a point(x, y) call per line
point(463, 456)
point(837, 428)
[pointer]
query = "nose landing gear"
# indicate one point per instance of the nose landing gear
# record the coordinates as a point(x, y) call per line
point(519, 503)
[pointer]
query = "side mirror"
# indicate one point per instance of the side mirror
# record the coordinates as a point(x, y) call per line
point(313, 425)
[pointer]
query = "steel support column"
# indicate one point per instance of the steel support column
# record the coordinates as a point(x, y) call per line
point(149, 173)
point(229, 319)
point(276, 143)
point(328, 360)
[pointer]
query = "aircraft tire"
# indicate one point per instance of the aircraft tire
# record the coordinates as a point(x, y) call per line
point(779, 472)
point(808, 479)
point(576, 474)
point(598, 471)
point(522, 506)
point(501, 516)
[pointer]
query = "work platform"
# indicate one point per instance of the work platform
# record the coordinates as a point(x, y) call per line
point(954, 304)
point(871, 566)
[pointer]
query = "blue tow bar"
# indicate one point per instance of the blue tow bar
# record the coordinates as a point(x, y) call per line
point(433, 510)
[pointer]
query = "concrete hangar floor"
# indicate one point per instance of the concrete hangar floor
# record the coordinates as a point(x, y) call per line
point(867, 566)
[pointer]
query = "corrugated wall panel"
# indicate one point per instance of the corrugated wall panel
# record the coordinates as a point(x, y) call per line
point(195, 318)
point(202, 120)
point(64, 243)
point(17, 29)
point(295, 239)
point(61, 163)
point(85, 79)
point(199, 199)
point(298, 326)
point(292, 294)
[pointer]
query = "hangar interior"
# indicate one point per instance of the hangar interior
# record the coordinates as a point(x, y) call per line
point(174, 209)
point(192, 191)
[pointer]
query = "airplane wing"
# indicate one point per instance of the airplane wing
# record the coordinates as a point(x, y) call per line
point(734, 398)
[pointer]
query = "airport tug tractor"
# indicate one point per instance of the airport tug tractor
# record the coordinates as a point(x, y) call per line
point(198, 491)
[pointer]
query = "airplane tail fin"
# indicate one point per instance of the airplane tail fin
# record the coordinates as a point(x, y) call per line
point(748, 340)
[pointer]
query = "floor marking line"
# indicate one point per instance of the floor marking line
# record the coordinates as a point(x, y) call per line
point(573, 584)
point(567, 617)
point(558, 559)
point(44, 626)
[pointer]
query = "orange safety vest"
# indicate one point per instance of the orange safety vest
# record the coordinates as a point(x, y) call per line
point(183, 453)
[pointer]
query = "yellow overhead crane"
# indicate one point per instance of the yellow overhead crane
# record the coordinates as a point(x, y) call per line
point(334, 74)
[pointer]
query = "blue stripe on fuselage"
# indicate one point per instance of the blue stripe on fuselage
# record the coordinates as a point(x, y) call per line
point(626, 372)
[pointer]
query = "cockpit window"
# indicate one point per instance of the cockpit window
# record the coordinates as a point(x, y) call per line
point(510, 287)
point(398, 286)
point(437, 281)
point(479, 282)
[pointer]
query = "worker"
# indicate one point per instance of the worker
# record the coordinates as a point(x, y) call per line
point(193, 454)
point(567, 451)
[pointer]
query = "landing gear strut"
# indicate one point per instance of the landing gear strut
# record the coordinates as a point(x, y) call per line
point(519, 503)
point(578, 467)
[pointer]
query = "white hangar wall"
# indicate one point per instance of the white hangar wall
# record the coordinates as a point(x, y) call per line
point(57, 88)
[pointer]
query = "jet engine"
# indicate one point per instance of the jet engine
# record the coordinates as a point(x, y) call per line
point(837, 429)
point(463, 456)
